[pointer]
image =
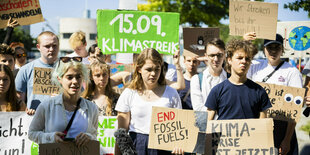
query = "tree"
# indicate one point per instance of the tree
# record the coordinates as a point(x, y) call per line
point(19, 36)
point(194, 12)
point(299, 4)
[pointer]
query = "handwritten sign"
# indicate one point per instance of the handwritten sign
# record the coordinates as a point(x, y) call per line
point(249, 16)
point(196, 39)
point(296, 38)
point(26, 12)
point(14, 133)
point(172, 128)
point(245, 136)
point(286, 101)
point(89, 148)
point(42, 83)
point(133, 31)
point(106, 128)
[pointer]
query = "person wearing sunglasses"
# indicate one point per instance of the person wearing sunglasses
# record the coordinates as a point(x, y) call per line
point(78, 43)
point(273, 70)
point(20, 57)
point(48, 45)
point(66, 116)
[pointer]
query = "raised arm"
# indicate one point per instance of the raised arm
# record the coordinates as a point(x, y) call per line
point(180, 84)
point(10, 27)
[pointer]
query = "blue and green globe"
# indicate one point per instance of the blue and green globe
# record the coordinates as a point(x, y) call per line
point(299, 38)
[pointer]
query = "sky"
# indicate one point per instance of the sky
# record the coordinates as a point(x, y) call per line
point(53, 10)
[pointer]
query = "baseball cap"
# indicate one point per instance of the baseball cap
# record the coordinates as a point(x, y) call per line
point(279, 40)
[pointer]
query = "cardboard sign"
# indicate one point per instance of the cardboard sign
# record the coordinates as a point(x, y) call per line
point(133, 31)
point(195, 39)
point(286, 101)
point(107, 125)
point(249, 16)
point(243, 136)
point(42, 83)
point(14, 133)
point(296, 38)
point(26, 12)
point(90, 148)
point(172, 128)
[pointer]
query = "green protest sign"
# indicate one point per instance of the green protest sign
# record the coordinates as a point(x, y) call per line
point(133, 31)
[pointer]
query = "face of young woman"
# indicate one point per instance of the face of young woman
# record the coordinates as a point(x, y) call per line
point(240, 62)
point(4, 83)
point(273, 53)
point(100, 78)
point(150, 73)
point(72, 81)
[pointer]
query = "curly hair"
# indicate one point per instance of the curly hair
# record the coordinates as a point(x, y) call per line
point(5, 49)
point(155, 57)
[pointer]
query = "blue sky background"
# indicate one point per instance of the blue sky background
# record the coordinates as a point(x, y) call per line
point(53, 10)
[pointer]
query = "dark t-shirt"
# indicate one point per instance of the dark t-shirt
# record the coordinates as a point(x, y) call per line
point(238, 101)
point(187, 104)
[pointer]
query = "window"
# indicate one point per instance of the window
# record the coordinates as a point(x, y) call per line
point(92, 36)
point(66, 35)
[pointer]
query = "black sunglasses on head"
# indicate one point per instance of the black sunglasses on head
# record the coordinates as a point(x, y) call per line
point(67, 59)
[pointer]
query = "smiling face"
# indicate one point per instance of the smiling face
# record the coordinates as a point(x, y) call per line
point(4, 83)
point(215, 57)
point(240, 62)
point(150, 73)
point(100, 78)
point(273, 53)
point(71, 82)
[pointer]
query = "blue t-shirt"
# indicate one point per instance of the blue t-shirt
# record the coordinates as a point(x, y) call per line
point(238, 101)
point(24, 82)
point(182, 93)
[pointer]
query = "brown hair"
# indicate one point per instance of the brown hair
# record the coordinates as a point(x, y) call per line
point(235, 44)
point(155, 57)
point(109, 92)
point(5, 49)
point(217, 43)
point(11, 96)
point(49, 33)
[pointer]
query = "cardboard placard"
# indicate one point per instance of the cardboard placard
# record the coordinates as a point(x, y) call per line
point(133, 31)
point(286, 101)
point(172, 128)
point(296, 36)
point(26, 12)
point(42, 83)
point(107, 125)
point(14, 133)
point(195, 39)
point(91, 148)
point(243, 136)
point(250, 16)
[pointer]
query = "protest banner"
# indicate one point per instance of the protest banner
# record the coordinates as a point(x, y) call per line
point(250, 16)
point(172, 128)
point(42, 83)
point(243, 136)
point(14, 133)
point(286, 101)
point(90, 148)
point(26, 12)
point(296, 36)
point(132, 31)
point(196, 39)
point(107, 125)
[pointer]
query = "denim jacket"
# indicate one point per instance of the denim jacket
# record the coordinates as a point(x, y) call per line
point(50, 117)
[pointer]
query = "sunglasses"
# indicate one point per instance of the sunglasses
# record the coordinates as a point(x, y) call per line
point(67, 59)
point(21, 55)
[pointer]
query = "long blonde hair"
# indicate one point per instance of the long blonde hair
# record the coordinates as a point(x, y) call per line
point(109, 92)
point(155, 57)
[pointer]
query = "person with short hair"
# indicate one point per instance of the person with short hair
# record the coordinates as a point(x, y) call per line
point(202, 83)
point(238, 97)
point(77, 42)
point(50, 123)
point(48, 45)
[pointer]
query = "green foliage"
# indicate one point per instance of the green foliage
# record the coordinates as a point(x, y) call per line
point(18, 36)
point(299, 4)
point(306, 127)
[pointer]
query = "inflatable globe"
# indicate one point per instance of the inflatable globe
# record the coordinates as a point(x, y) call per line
point(299, 38)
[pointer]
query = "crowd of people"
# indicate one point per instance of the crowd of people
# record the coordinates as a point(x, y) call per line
point(226, 89)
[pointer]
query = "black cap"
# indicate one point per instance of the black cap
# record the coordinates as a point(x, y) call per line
point(279, 40)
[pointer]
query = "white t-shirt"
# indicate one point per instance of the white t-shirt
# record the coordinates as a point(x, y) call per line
point(199, 97)
point(286, 75)
point(84, 60)
point(141, 110)
point(171, 73)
